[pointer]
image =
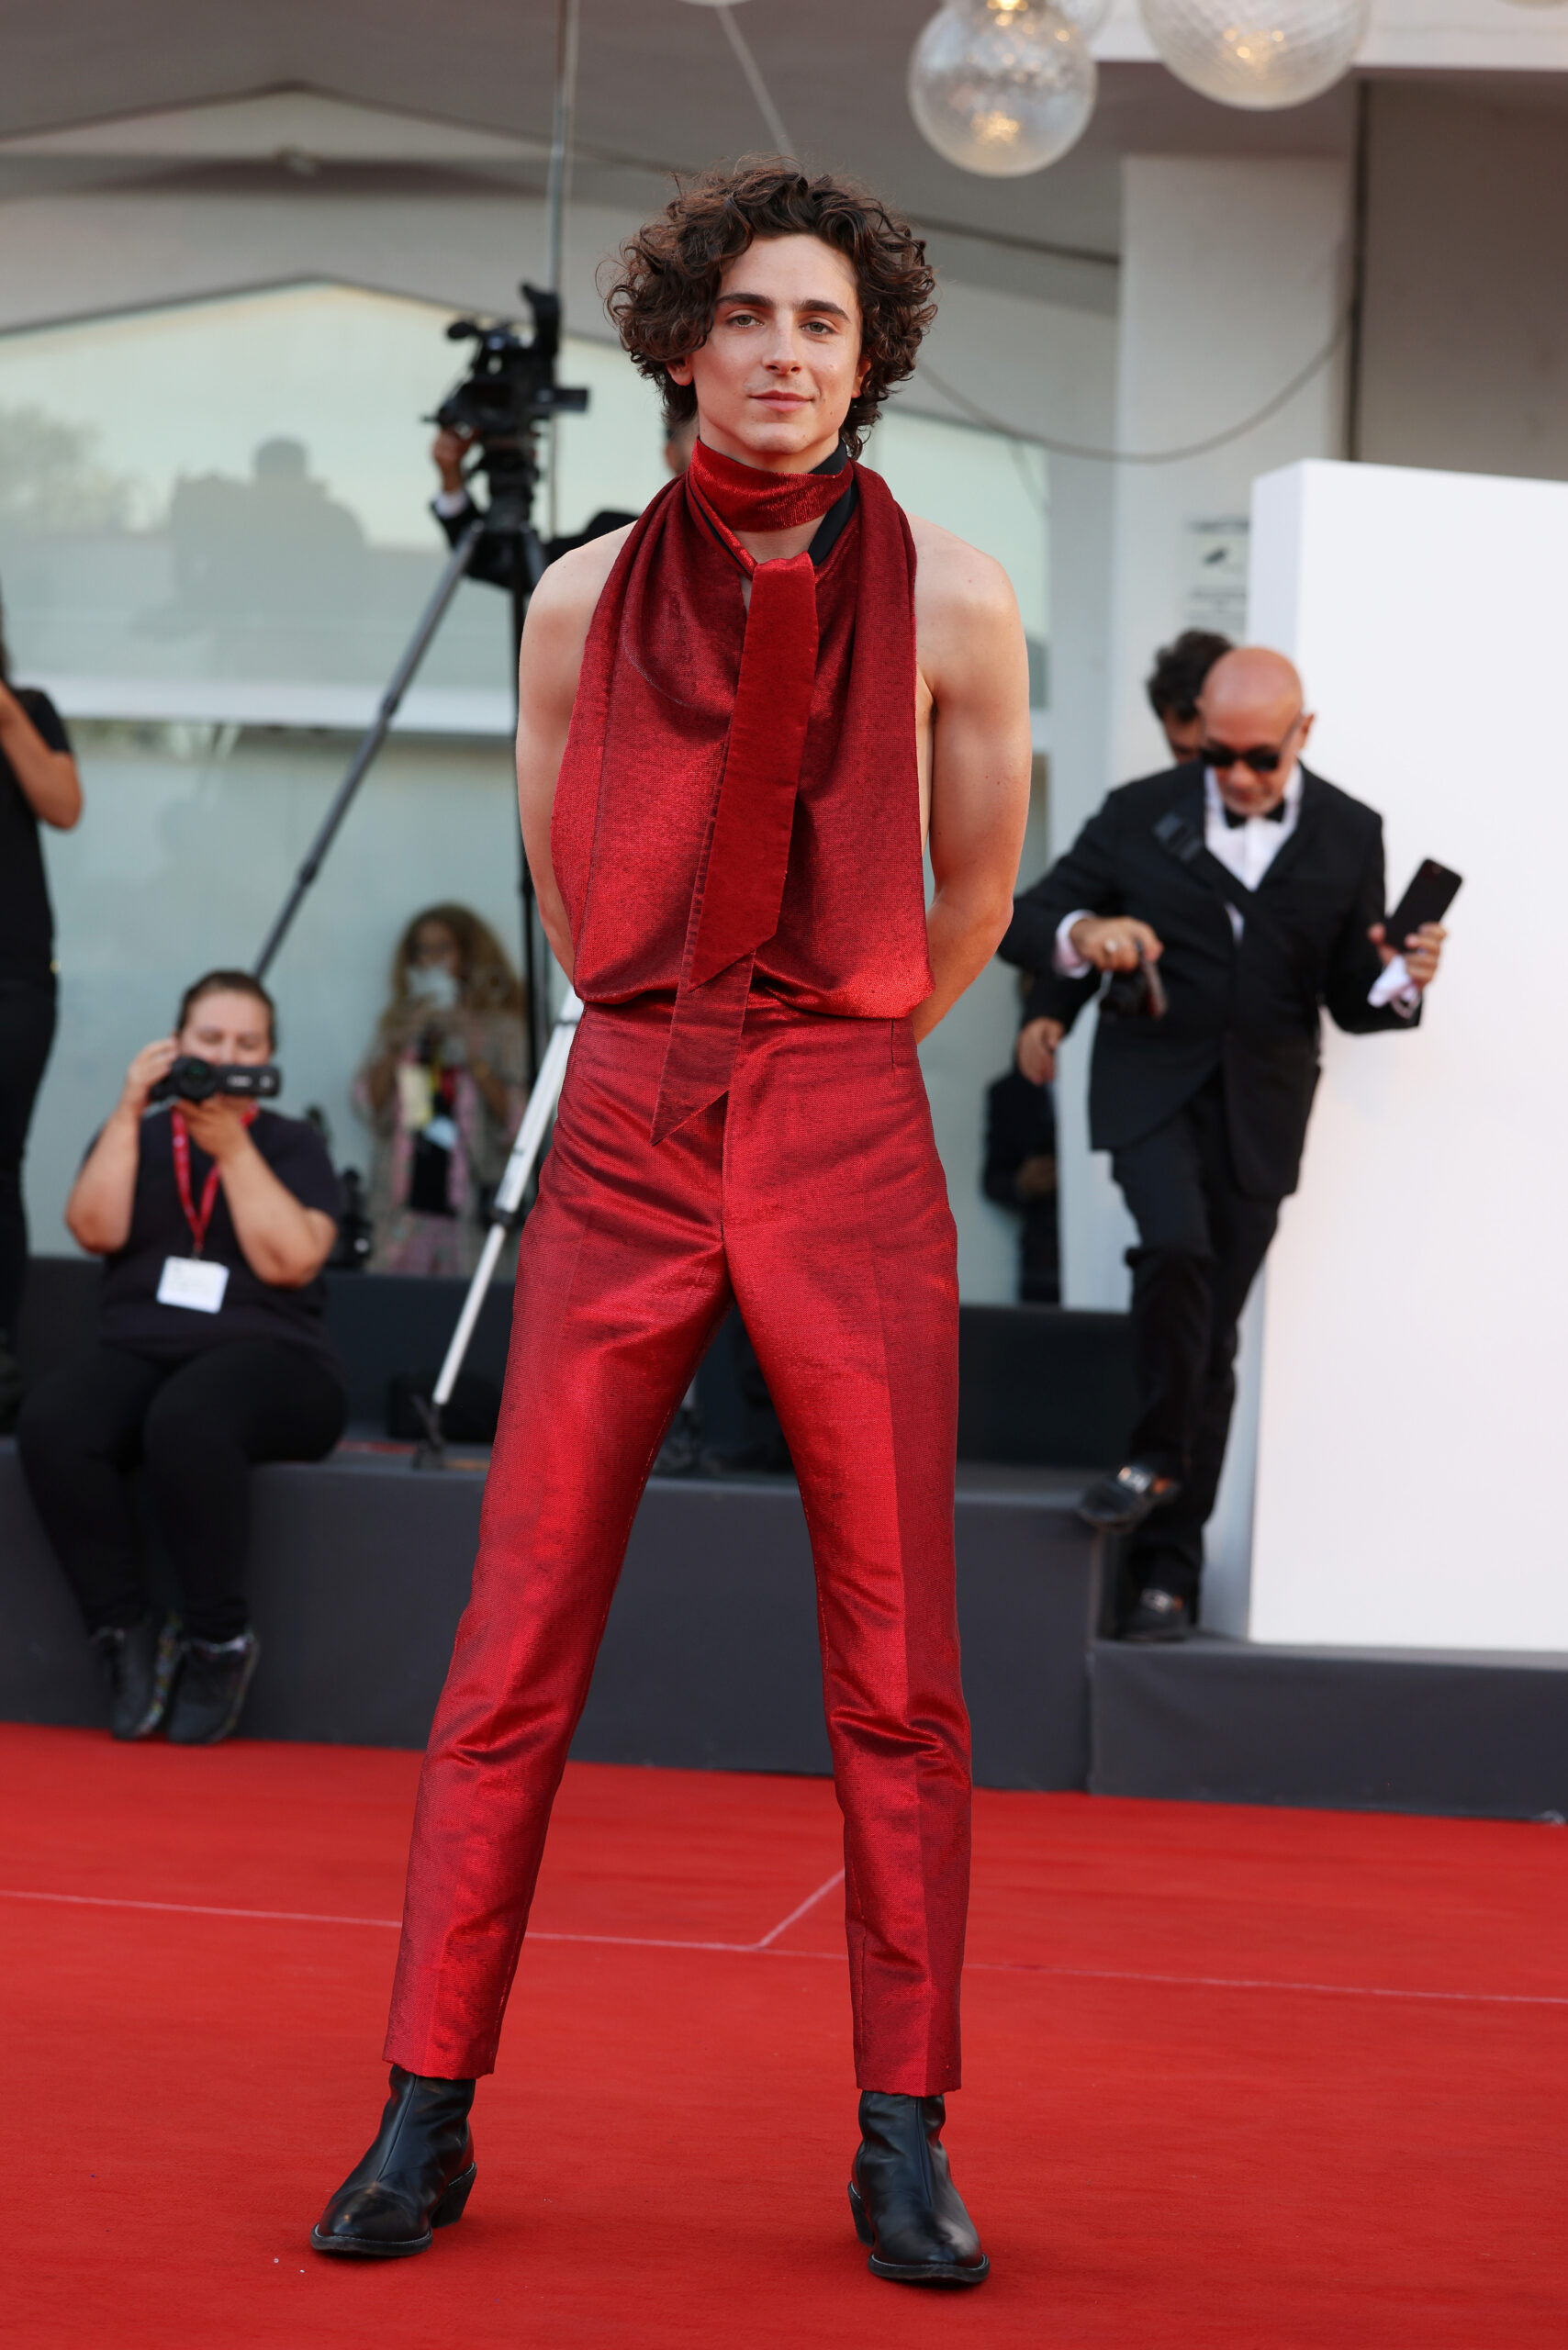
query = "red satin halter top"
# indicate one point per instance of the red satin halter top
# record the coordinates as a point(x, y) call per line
point(639, 784)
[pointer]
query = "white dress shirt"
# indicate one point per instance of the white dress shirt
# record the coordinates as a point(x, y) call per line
point(1248, 850)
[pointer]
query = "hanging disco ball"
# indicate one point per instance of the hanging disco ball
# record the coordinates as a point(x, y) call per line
point(1258, 53)
point(1004, 87)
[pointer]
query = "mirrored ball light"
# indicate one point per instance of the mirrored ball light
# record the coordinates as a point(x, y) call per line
point(1257, 53)
point(1001, 86)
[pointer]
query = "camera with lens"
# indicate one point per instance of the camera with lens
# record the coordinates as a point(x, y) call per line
point(190, 1078)
point(1135, 995)
point(511, 386)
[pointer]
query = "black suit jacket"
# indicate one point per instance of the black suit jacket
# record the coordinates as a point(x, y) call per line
point(1250, 1010)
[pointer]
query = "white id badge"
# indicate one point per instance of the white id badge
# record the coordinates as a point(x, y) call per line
point(191, 1282)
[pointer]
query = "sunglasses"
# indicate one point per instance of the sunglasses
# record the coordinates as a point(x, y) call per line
point(1261, 760)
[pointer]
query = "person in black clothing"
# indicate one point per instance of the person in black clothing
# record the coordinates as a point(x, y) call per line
point(1020, 1173)
point(39, 784)
point(1258, 890)
point(216, 1218)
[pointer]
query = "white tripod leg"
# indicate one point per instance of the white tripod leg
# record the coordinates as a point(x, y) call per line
point(524, 1157)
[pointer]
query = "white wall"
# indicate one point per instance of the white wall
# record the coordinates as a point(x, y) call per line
point(1413, 1385)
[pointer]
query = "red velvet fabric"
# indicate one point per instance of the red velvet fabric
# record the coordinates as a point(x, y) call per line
point(678, 697)
point(814, 1195)
point(745, 498)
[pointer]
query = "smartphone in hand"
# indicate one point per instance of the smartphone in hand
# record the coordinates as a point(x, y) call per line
point(1428, 898)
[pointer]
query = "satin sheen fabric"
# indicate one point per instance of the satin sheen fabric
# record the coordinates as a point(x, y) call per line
point(813, 1196)
point(638, 798)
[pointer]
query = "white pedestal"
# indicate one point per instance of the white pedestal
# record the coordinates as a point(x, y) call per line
point(1411, 1428)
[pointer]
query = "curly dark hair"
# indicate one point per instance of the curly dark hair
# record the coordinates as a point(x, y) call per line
point(666, 283)
point(1180, 669)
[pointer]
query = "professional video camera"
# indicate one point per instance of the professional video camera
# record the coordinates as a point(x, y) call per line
point(508, 394)
point(513, 386)
point(190, 1078)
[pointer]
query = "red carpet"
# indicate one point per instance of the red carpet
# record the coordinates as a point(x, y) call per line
point(1262, 2079)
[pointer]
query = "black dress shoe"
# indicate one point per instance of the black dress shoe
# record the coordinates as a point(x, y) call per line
point(1158, 1615)
point(1118, 1504)
point(214, 1677)
point(140, 1662)
point(905, 2204)
point(417, 2177)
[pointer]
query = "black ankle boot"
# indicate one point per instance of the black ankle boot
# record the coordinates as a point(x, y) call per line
point(905, 2204)
point(140, 1662)
point(416, 2177)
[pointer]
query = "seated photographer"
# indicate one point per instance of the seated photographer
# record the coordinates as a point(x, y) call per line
point(215, 1216)
point(442, 1091)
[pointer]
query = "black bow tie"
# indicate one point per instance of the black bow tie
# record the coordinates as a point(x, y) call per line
point(1274, 815)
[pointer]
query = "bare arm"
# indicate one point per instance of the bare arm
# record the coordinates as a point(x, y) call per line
point(97, 1214)
point(49, 782)
point(973, 659)
point(284, 1242)
point(555, 633)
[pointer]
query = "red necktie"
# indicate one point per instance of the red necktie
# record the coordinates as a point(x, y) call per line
point(740, 881)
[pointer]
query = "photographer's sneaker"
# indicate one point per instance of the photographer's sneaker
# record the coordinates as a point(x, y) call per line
point(214, 1677)
point(1158, 1615)
point(140, 1662)
point(1117, 1503)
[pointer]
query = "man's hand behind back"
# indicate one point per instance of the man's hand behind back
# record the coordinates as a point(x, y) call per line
point(1038, 1041)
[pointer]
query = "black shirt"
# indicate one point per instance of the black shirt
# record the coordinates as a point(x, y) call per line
point(129, 1315)
point(27, 924)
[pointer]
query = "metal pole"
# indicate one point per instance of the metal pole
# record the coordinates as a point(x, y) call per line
point(508, 1197)
point(558, 186)
point(375, 734)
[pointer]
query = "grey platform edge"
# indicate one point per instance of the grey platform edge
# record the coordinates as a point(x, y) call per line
point(1479, 1735)
point(361, 1570)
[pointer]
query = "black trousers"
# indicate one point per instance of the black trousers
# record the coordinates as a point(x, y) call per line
point(26, 1032)
point(195, 1425)
point(1201, 1244)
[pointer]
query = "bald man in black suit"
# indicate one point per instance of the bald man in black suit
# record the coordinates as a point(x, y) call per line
point(1255, 890)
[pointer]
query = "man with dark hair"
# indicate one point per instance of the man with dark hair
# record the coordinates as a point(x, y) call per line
point(741, 720)
point(1257, 888)
point(1175, 682)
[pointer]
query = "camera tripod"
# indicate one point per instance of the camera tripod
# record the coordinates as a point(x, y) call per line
point(510, 392)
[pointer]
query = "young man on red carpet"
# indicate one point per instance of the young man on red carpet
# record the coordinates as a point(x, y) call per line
point(741, 720)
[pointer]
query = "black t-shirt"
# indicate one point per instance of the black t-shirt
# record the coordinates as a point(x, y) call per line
point(129, 1312)
point(27, 924)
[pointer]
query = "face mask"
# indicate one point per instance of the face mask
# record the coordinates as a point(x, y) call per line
point(433, 984)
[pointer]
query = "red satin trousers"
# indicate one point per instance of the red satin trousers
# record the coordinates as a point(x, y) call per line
point(811, 1194)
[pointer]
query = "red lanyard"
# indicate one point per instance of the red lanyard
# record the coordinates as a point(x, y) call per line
point(198, 1224)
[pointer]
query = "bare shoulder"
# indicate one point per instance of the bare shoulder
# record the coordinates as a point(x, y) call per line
point(574, 583)
point(954, 583)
